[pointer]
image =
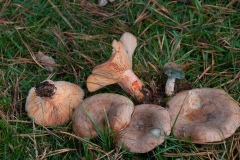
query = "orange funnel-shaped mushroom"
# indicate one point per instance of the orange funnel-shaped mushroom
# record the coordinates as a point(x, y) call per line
point(118, 69)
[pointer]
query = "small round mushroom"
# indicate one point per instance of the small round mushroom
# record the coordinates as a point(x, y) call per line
point(148, 127)
point(204, 115)
point(92, 113)
point(104, 2)
point(118, 69)
point(173, 71)
point(52, 103)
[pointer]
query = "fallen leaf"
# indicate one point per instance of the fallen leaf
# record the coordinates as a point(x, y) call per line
point(46, 61)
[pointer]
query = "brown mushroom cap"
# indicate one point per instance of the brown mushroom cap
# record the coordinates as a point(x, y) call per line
point(148, 127)
point(94, 109)
point(205, 115)
point(52, 103)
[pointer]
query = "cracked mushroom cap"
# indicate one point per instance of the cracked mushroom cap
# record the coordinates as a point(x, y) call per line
point(52, 103)
point(205, 115)
point(148, 127)
point(92, 113)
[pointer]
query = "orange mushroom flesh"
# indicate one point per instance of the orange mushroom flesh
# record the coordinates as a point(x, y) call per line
point(118, 69)
point(52, 103)
point(93, 111)
point(204, 115)
point(148, 127)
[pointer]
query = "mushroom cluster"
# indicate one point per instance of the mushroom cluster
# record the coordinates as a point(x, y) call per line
point(138, 128)
point(203, 115)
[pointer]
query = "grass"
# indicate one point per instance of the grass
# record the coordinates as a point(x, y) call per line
point(201, 36)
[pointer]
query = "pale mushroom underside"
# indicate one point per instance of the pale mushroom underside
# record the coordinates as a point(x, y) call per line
point(110, 71)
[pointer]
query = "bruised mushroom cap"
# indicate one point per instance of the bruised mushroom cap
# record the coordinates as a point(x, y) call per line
point(52, 103)
point(173, 70)
point(205, 115)
point(92, 113)
point(148, 127)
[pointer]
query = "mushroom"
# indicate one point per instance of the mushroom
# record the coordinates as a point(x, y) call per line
point(204, 115)
point(148, 127)
point(173, 71)
point(52, 103)
point(92, 113)
point(104, 2)
point(118, 69)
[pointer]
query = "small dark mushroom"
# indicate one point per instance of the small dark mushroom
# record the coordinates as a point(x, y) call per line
point(173, 71)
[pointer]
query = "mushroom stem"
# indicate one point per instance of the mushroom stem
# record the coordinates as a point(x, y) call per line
point(169, 88)
point(132, 84)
